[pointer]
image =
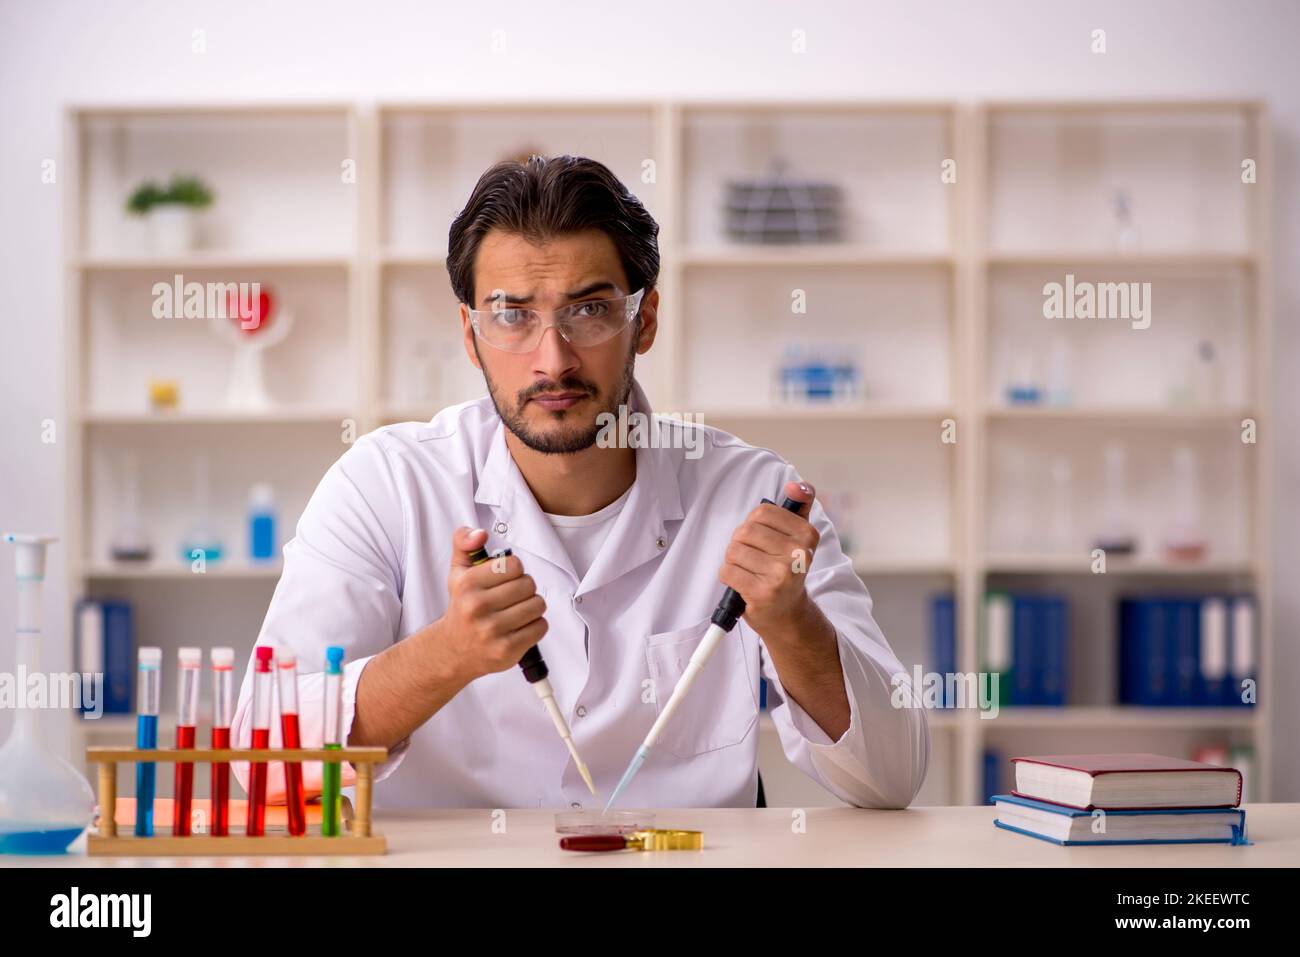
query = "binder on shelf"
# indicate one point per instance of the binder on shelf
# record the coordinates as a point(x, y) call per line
point(1214, 684)
point(106, 645)
point(996, 650)
point(1053, 626)
point(943, 642)
point(1186, 651)
point(1184, 658)
point(1025, 665)
point(1035, 629)
point(992, 774)
point(1242, 657)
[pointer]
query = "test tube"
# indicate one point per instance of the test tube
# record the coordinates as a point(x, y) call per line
point(223, 662)
point(262, 689)
point(287, 665)
point(332, 771)
point(189, 663)
point(146, 736)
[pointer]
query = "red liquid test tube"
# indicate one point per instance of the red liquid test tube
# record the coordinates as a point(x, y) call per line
point(287, 665)
point(189, 663)
point(223, 663)
point(262, 690)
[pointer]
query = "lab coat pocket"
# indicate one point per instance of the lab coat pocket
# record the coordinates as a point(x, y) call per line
point(722, 705)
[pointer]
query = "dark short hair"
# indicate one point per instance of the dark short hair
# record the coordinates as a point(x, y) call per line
point(547, 197)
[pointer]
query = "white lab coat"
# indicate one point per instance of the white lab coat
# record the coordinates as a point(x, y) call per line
point(368, 566)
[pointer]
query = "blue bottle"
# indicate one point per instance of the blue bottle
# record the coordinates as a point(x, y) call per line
point(261, 524)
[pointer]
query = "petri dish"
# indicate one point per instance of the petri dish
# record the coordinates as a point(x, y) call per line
point(592, 821)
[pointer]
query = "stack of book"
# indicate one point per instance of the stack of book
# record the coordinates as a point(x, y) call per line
point(1123, 799)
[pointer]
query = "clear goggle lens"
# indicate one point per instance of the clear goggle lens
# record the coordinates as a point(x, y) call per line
point(586, 323)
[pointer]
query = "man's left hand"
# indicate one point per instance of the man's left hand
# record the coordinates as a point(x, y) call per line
point(768, 560)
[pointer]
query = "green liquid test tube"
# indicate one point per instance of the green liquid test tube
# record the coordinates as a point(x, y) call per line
point(332, 771)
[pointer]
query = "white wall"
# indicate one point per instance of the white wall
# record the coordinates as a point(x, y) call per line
point(57, 51)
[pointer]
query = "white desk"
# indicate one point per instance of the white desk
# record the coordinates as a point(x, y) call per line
point(743, 837)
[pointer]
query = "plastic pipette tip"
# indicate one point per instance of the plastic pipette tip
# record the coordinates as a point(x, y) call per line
point(582, 766)
point(586, 776)
point(638, 759)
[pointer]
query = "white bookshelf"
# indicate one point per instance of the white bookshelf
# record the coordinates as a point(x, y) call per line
point(927, 273)
point(1047, 175)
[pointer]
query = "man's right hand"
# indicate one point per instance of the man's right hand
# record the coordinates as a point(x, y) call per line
point(494, 614)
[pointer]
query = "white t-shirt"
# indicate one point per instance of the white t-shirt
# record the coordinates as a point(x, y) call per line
point(582, 535)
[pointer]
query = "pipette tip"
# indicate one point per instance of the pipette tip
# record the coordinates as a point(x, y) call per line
point(637, 760)
point(586, 776)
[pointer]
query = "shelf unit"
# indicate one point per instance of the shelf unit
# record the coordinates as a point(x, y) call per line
point(921, 262)
point(1174, 151)
point(268, 161)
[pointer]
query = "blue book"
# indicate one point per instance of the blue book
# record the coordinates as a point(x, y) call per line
point(992, 764)
point(1128, 651)
point(943, 642)
point(1153, 653)
point(106, 645)
point(1184, 640)
point(1068, 826)
point(1054, 627)
point(1144, 652)
point(1024, 657)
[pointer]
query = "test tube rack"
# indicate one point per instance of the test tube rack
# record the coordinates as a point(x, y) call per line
point(358, 837)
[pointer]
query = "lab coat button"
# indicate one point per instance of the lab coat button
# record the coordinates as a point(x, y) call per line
point(661, 542)
point(582, 711)
point(577, 600)
point(575, 805)
point(501, 528)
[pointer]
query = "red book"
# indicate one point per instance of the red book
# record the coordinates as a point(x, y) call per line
point(1125, 782)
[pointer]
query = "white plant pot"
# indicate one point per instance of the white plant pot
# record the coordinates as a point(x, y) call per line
point(172, 228)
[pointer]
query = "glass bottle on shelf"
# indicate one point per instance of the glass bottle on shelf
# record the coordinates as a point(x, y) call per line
point(1060, 519)
point(1060, 376)
point(1126, 232)
point(1185, 541)
point(261, 523)
point(201, 540)
point(1207, 388)
point(130, 541)
point(1115, 535)
point(1023, 386)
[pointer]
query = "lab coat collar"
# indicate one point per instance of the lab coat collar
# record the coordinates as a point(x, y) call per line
point(640, 531)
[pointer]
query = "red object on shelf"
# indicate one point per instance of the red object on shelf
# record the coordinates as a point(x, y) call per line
point(250, 317)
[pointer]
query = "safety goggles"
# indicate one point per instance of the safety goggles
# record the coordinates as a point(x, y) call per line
point(586, 323)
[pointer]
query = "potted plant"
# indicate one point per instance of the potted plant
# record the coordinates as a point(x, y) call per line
point(171, 211)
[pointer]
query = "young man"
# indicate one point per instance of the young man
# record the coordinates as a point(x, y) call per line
point(621, 550)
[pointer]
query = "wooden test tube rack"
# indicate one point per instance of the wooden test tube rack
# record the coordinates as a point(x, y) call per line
point(357, 835)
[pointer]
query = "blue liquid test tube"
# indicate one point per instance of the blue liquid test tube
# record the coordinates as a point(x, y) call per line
point(146, 737)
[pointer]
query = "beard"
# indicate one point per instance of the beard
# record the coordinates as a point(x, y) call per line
point(568, 433)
